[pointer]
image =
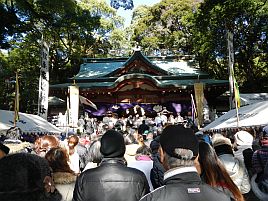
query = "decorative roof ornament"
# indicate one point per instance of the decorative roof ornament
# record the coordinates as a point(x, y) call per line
point(157, 108)
point(137, 47)
point(126, 4)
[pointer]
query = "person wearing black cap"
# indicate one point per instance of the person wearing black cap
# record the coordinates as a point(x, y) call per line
point(4, 150)
point(179, 155)
point(111, 180)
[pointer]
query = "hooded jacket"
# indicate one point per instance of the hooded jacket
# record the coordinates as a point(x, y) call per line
point(112, 180)
point(65, 182)
point(237, 171)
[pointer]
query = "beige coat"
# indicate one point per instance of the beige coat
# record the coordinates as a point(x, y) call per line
point(65, 183)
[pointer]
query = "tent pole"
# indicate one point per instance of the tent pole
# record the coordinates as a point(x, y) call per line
point(16, 100)
point(237, 115)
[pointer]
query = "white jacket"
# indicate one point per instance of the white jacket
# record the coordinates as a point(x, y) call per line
point(237, 172)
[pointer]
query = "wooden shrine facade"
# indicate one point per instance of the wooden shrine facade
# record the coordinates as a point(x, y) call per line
point(141, 80)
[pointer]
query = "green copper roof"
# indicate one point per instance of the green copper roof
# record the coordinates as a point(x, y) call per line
point(97, 68)
point(179, 67)
point(178, 83)
point(106, 73)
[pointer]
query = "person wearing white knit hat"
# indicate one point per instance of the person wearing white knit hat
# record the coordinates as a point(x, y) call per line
point(244, 152)
point(243, 138)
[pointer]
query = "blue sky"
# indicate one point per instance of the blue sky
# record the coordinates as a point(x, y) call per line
point(128, 13)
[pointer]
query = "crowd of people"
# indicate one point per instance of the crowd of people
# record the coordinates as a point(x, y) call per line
point(137, 158)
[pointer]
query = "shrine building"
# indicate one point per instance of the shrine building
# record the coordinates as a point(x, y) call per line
point(117, 84)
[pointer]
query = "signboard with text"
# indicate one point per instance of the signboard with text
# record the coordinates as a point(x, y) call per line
point(44, 81)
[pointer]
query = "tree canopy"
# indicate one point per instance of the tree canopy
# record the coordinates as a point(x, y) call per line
point(92, 28)
point(72, 29)
point(165, 25)
point(200, 28)
point(248, 21)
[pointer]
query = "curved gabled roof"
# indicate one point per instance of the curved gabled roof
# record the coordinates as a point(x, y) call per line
point(140, 57)
point(104, 68)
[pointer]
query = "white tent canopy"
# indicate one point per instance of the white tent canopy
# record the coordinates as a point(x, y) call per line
point(251, 115)
point(247, 99)
point(28, 123)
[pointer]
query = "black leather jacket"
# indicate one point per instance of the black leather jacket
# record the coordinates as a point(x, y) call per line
point(185, 187)
point(112, 180)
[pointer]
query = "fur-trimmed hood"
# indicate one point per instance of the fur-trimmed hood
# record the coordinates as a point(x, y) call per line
point(64, 177)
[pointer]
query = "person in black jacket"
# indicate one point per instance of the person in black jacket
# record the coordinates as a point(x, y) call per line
point(112, 179)
point(143, 127)
point(179, 155)
point(157, 172)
